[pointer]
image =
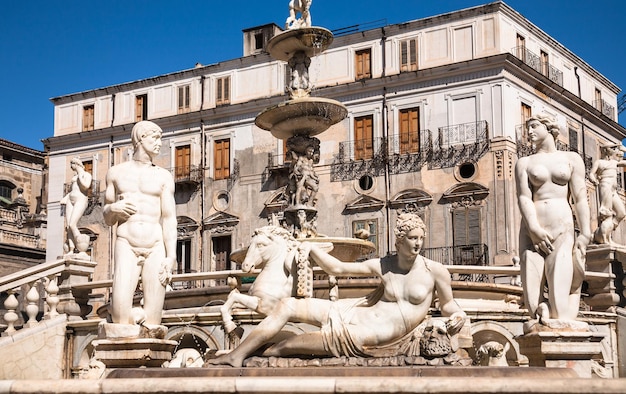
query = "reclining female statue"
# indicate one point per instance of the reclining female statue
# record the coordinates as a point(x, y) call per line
point(355, 327)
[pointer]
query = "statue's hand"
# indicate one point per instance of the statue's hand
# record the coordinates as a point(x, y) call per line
point(542, 240)
point(123, 209)
point(456, 322)
point(165, 273)
point(582, 241)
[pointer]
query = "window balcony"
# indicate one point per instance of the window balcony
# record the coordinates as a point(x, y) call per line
point(475, 255)
point(357, 158)
point(409, 152)
point(535, 62)
point(459, 143)
point(190, 174)
point(605, 108)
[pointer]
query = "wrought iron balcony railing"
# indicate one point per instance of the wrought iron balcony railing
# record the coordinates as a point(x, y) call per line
point(459, 143)
point(534, 61)
point(187, 174)
point(409, 152)
point(475, 255)
point(604, 107)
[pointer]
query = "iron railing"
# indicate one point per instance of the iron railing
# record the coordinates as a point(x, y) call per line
point(604, 107)
point(474, 255)
point(187, 174)
point(534, 61)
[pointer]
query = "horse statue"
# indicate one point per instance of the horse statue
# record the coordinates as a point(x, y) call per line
point(276, 252)
point(301, 6)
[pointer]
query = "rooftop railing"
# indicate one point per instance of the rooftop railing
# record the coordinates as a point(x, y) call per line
point(535, 62)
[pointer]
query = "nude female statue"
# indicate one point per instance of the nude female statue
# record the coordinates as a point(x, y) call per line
point(76, 202)
point(351, 327)
point(550, 252)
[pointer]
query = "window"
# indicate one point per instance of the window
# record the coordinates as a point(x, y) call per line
point(573, 140)
point(363, 138)
point(408, 55)
point(526, 113)
point(361, 228)
point(409, 131)
point(363, 64)
point(6, 190)
point(141, 108)
point(258, 41)
point(222, 95)
point(221, 159)
point(184, 99)
point(521, 47)
point(221, 251)
point(466, 226)
point(286, 155)
point(88, 119)
point(182, 162)
point(183, 256)
point(545, 63)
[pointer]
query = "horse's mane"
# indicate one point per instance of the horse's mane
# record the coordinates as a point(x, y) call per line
point(275, 231)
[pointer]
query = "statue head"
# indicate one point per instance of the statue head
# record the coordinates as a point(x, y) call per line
point(406, 222)
point(143, 129)
point(547, 120)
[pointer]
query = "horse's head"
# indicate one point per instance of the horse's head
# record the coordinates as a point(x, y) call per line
point(267, 243)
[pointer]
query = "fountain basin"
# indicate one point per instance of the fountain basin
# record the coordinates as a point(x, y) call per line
point(302, 116)
point(344, 248)
point(310, 40)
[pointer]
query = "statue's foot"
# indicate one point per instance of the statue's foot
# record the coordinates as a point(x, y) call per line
point(224, 360)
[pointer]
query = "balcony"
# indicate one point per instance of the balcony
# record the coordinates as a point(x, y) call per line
point(409, 152)
point(187, 175)
point(472, 255)
point(534, 61)
point(605, 108)
point(358, 158)
point(459, 143)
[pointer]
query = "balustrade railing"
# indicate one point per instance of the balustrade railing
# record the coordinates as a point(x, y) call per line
point(605, 108)
point(19, 238)
point(472, 255)
point(536, 63)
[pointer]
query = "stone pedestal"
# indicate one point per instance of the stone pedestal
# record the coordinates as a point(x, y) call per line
point(605, 276)
point(561, 350)
point(133, 353)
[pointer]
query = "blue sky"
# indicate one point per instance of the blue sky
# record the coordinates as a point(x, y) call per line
point(54, 48)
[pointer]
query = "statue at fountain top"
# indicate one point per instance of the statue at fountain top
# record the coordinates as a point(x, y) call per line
point(603, 174)
point(302, 7)
point(550, 252)
point(139, 199)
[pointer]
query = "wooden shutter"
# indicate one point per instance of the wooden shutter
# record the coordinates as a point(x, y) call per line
point(409, 131)
point(363, 66)
point(183, 161)
point(466, 226)
point(363, 138)
point(222, 159)
point(141, 108)
point(88, 118)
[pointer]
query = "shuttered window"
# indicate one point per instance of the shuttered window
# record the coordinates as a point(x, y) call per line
point(363, 64)
point(141, 107)
point(221, 160)
point(222, 95)
point(409, 131)
point(88, 118)
point(466, 226)
point(408, 55)
point(182, 161)
point(363, 137)
point(184, 100)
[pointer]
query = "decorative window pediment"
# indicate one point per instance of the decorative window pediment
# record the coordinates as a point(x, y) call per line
point(186, 226)
point(411, 197)
point(364, 204)
point(468, 193)
point(220, 222)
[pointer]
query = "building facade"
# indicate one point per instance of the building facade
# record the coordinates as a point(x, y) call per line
point(436, 113)
point(23, 173)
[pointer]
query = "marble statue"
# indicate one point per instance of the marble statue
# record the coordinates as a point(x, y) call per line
point(303, 181)
point(302, 7)
point(139, 200)
point(551, 254)
point(76, 201)
point(603, 174)
point(356, 327)
point(275, 251)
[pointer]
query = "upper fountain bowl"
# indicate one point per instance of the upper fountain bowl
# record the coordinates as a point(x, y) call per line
point(310, 40)
point(302, 116)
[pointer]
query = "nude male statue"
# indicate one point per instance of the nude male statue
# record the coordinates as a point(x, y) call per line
point(139, 199)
